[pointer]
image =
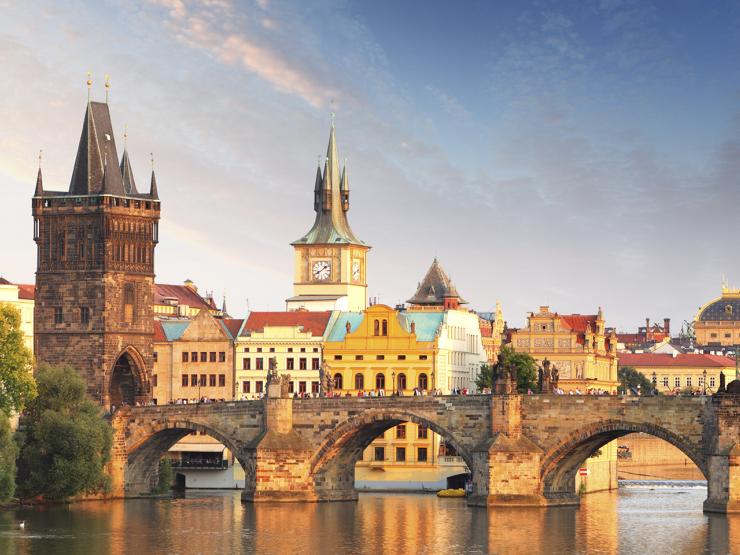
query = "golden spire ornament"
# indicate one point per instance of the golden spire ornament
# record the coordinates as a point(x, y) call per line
point(107, 88)
point(89, 84)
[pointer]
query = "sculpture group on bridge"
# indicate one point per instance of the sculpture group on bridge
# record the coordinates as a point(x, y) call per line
point(547, 377)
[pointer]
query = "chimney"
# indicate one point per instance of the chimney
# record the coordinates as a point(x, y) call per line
point(667, 326)
point(647, 327)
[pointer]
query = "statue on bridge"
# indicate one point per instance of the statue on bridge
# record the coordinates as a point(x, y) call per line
point(544, 377)
point(327, 382)
point(504, 378)
point(277, 386)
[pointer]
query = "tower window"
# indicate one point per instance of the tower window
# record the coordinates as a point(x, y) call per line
point(84, 315)
point(58, 317)
point(385, 328)
point(376, 327)
point(128, 303)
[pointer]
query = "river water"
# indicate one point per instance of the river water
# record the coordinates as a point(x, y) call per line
point(644, 517)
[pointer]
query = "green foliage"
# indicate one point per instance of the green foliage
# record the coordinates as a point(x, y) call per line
point(17, 386)
point(629, 378)
point(525, 365)
point(67, 442)
point(8, 453)
point(166, 476)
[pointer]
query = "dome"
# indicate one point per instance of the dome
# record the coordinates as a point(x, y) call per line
point(722, 309)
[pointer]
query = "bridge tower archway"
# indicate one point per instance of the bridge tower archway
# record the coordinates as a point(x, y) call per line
point(333, 465)
point(561, 463)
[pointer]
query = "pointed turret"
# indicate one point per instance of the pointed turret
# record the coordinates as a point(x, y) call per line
point(39, 185)
point(110, 182)
point(344, 188)
point(224, 312)
point(153, 188)
point(97, 145)
point(330, 203)
point(437, 289)
point(127, 175)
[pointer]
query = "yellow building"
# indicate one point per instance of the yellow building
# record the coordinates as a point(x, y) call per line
point(681, 372)
point(293, 339)
point(577, 345)
point(717, 323)
point(20, 296)
point(330, 261)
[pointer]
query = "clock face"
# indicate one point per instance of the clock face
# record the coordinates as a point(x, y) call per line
point(356, 270)
point(321, 270)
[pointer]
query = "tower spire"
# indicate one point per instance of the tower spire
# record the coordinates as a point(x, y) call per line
point(317, 188)
point(127, 174)
point(153, 186)
point(344, 187)
point(39, 181)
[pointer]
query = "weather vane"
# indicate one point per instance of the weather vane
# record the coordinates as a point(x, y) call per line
point(41, 152)
point(125, 136)
point(107, 88)
point(151, 155)
point(89, 84)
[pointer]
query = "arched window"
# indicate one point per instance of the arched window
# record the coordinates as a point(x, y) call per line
point(423, 381)
point(385, 328)
point(338, 382)
point(376, 327)
point(380, 381)
point(359, 381)
point(128, 303)
point(401, 382)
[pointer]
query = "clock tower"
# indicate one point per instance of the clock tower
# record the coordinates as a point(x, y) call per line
point(330, 261)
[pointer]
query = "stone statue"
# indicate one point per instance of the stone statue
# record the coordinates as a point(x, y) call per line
point(554, 377)
point(721, 388)
point(272, 374)
point(327, 383)
point(284, 385)
point(546, 377)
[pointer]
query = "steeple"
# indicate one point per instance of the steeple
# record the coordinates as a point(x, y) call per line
point(110, 183)
point(437, 289)
point(97, 145)
point(129, 185)
point(224, 312)
point(153, 188)
point(331, 203)
point(39, 185)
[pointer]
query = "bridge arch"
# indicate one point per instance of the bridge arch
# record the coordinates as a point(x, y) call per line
point(127, 379)
point(333, 464)
point(149, 441)
point(560, 463)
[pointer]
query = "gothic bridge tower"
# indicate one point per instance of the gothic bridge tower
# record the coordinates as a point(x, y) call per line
point(95, 268)
point(330, 261)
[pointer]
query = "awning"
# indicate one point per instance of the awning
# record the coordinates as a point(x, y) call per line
point(197, 448)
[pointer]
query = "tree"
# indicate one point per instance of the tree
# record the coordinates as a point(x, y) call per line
point(631, 379)
point(166, 476)
point(17, 386)
point(526, 370)
point(67, 442)
point(8, 453)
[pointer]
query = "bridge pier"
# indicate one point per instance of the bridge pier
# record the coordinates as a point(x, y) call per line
point(723, 466)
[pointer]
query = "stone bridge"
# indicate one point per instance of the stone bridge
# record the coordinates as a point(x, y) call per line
point(521, 450)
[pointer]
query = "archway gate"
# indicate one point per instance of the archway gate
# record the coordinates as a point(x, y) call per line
point(521, 450)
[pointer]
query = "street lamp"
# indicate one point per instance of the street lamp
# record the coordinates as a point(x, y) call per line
point(655, 383)
point(704, 381)
point(393, 377)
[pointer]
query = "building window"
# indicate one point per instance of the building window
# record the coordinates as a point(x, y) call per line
point(665, 381)
point(315, 363)
point(401, 382)
point(315, 349)
point(193, 357)
point(202, 381)
point(380, 381)
point(302, 364)
point(677, 381)
point(422, 357)
point(338, 381)
point(128, 303)
point(379, 357)
point(301, 387)
point(204, 357)
point(246, 386)
point(58, 319)
point(359, 357)
point(337, 357)
point(246, 349)
point(728, 336)
point(259, 349)
point(359, 381)
point(258, 386)
point(185, 356)
point(290, 362)
point(376, 327)
point(193, 379)
point(290, 349)
point(247, 364)
point(222, 356)
point(422, 432)
point(184, 380)
point(84, 315)
point(379, 454)
point(688, 381)
point(259, 364)
point(291, 386)
point(385, 328)
point(421, 454)
point(711, 381)
point(713, 335)
point(212, 357)
point(314, 387)
point(272, 349)
point(401, 431)
point(400, 454)
point(154, 380)
point(156, 356)
point(222, 380)
point(423, 381)
point(401, 357)
point(303, 349)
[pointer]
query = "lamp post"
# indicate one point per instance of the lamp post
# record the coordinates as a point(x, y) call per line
point(393, 378)
point(704, 381)
point(655, 383)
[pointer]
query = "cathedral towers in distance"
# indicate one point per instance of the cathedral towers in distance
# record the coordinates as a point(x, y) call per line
point(95, 268)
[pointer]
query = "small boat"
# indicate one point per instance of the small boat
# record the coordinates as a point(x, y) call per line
point(22, 525)
point(451, 493)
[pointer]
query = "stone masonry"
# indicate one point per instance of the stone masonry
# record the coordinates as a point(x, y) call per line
point(521, 450)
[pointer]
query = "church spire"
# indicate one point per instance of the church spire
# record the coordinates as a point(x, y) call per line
point(153, 185)
point(39, 180)
point(344, 187)
point(129, 185)
point(317, 188)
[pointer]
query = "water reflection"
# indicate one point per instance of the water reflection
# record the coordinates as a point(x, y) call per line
point(635, 520)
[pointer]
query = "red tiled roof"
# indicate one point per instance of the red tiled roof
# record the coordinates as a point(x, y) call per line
point(233, 325)
point(159, 336)
point(26, 291)
point(315, 322)
point(687, 360)
point(184, 295)
point(578, 322)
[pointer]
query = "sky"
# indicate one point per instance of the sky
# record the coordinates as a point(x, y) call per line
point(574, 154)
